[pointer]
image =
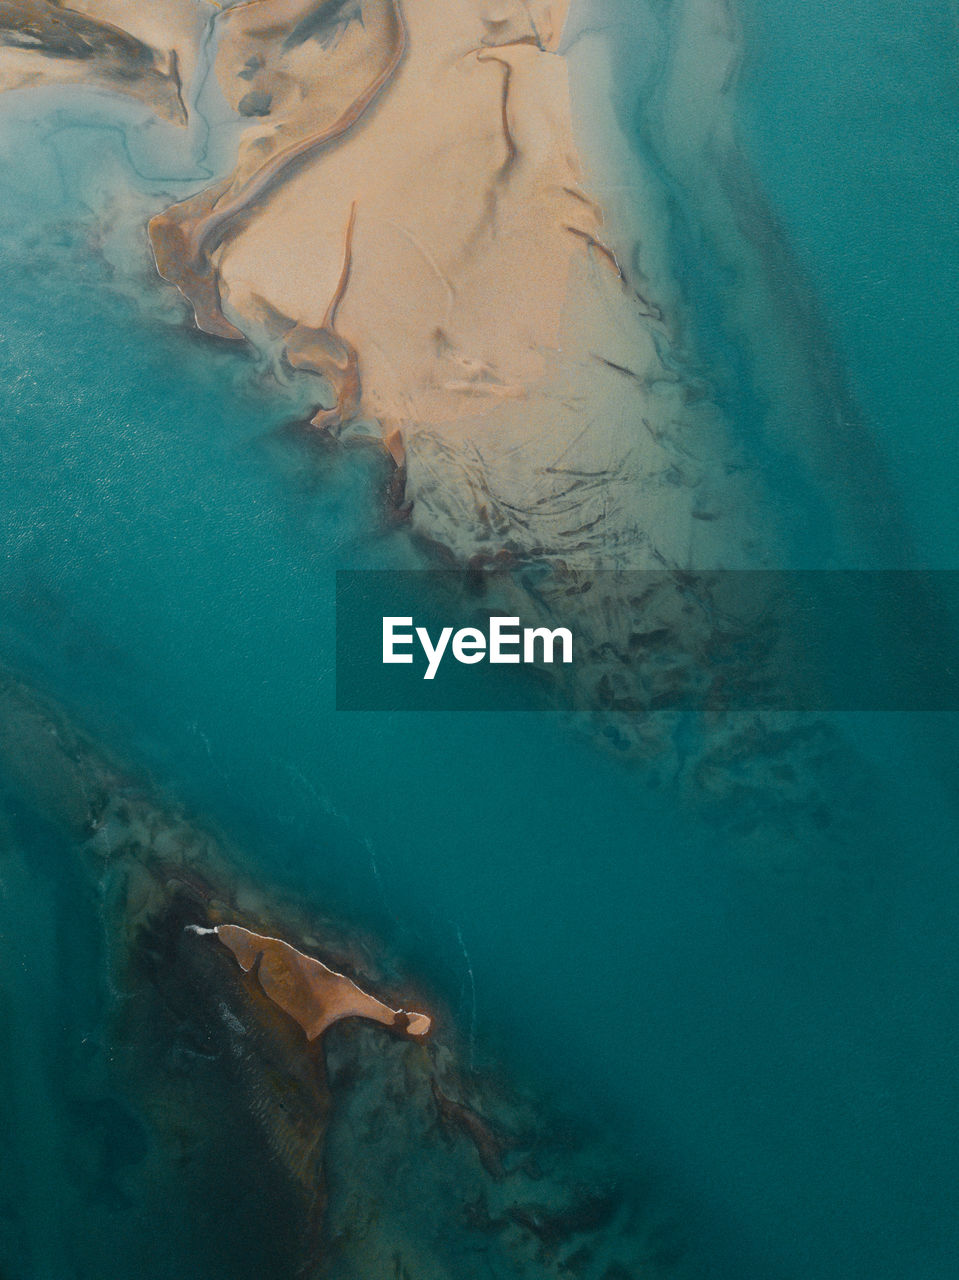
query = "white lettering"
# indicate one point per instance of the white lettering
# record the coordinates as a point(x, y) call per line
point(433, 656)
point(391, 639)
point(469, 646)
point(531, 634)
point(498, 637)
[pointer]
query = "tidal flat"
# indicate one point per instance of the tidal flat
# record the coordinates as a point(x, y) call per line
point(289, 288)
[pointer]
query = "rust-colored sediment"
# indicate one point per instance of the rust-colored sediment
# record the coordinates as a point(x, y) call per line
point(307, 990)
point(490, 1147)
point(184, 236)
point(322, 350)
point(171, 238)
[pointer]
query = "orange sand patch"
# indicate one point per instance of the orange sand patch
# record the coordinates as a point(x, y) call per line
point(307, 990)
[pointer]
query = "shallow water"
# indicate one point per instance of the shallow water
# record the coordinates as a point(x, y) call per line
point(772, 1039)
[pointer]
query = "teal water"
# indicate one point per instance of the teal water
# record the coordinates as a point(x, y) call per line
point(849, 112)
point(774, 1041)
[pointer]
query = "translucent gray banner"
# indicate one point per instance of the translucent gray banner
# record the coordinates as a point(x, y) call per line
point(645, 641)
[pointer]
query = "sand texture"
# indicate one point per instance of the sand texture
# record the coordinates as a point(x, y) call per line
point(408, 221)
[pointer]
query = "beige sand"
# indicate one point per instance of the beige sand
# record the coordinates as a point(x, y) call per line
point(408, 219)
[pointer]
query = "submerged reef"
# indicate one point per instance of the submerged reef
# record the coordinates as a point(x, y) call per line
point(297, 1120)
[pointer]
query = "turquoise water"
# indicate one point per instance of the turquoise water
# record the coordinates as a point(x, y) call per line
point(773, 1040)
point(849, 112)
